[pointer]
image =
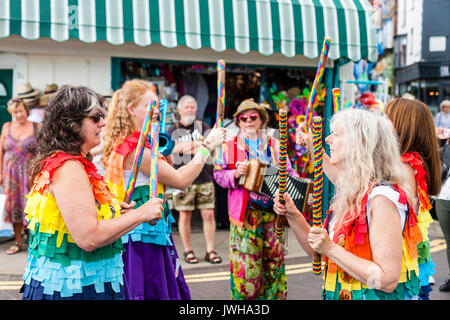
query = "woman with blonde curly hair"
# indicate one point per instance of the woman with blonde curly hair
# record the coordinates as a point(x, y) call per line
point(370, 237)
point(151, 265)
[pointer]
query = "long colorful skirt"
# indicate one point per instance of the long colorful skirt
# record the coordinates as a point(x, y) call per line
point(153, 272)
point(257, 259)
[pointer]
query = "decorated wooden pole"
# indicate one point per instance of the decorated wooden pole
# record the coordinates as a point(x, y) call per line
point(282, 165)
point(139, 151)
point(336, 95)
point(220, 108)
point(316, 129)
point(154, 146)
point(317, 80)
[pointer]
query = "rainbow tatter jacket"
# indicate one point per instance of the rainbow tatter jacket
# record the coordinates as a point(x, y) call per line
point(158, 234)
point(54, 258)
point(354, 237)
point(426, 266)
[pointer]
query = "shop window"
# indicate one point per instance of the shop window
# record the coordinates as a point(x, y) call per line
point(446, 91)
point(411, 42)
point(437, 43)
point(242, 82)
point(3, 92)
point(400, 50)
point(431, 95)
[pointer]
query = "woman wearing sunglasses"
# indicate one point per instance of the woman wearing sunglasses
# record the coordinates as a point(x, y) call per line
point(75, 221)
point(256, 255)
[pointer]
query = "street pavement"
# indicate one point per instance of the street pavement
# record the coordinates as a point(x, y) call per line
point(211, 282)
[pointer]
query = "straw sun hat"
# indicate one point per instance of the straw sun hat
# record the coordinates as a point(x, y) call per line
point(48, 91)
point(250, 104)
point(28, 94)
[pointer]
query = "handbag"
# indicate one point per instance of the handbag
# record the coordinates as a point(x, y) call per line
point(6, 228)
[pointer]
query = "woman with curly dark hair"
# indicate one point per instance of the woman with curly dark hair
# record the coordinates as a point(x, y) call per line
point(75, 221)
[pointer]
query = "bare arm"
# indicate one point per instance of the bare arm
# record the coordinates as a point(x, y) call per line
point(183, 177)
point(385, 236)
point(2, 141)
point(410, 186)
point(79, 210)
point(189, 147)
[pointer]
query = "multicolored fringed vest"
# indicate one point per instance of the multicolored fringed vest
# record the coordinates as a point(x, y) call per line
point(161, 231)
point(55, 261)
point(354, 237)
point(426, 266)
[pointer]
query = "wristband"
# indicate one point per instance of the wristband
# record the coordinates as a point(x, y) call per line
point(205, 146)
point(204, 151)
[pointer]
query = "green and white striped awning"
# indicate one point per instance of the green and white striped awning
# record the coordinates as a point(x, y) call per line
point(292, 27)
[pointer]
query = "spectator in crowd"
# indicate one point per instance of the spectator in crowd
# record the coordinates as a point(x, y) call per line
point(442, 118)
point(442, 204)
point(188, 134)
point(17, 147)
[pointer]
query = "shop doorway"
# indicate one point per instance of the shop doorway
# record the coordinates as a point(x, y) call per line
point(6, 86)
point(445, 90)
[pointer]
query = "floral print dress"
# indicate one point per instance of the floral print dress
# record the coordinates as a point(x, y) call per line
point(16, 185)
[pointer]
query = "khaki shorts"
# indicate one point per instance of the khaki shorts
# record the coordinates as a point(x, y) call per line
point(200, 196)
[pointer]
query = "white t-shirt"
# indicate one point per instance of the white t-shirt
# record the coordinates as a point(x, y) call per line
point(389, 193)
point(445, 191)
point(141, 180)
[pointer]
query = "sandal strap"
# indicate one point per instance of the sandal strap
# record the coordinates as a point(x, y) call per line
point(215, 258)
point(186, 253)
point(14, 249)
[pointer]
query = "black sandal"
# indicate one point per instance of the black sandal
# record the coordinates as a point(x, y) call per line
point(215, 259)
point(192, 259)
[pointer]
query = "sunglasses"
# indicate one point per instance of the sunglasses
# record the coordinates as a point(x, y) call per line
point(96, 117)
point(252, 117)
point(15, 100)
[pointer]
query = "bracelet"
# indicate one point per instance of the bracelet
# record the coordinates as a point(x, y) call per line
point(204, 151)
point(204, 145)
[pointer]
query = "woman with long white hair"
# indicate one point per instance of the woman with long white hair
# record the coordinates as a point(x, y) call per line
point(369, 240)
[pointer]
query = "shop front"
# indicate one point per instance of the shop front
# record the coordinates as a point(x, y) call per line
point(428, 81)
point(270, 47)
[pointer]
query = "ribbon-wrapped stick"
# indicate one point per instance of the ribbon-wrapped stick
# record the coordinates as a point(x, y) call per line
point(220, 108)
point(154, 146)
point(139, 151)
point(282, 166)
point(317, 81)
